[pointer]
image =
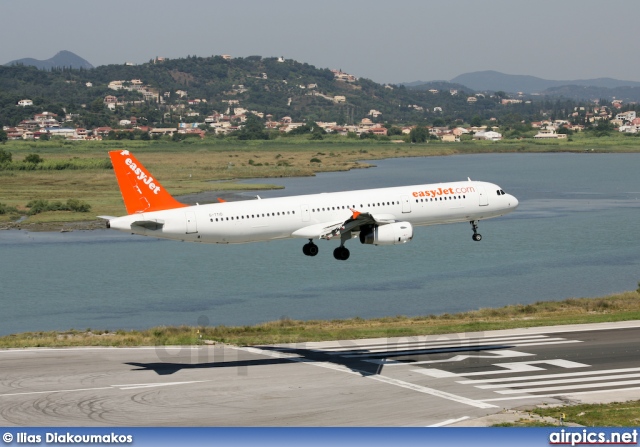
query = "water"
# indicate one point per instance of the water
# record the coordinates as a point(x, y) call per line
point(574, 234)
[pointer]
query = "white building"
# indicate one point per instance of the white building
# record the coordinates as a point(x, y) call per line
point(25, 102)
point(487, 135)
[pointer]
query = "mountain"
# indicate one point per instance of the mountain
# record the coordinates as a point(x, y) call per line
point(437, 85)
point(496, 81)
point(62, 59)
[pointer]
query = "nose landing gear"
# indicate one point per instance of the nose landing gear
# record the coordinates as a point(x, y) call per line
point(476, 236)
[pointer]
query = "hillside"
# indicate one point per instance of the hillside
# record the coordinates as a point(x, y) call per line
point(60, 60)
point(266, 85)
point(166, 92)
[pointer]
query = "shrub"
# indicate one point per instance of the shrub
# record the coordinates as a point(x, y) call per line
point(33, 158)
point(6, 209)
point(39, 206)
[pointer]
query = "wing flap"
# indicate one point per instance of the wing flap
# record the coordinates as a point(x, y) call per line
point(321, 230)
point(328, 230)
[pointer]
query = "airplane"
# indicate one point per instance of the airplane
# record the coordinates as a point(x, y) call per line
point(383, 216)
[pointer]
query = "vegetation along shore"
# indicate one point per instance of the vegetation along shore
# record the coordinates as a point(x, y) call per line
point(62, 185)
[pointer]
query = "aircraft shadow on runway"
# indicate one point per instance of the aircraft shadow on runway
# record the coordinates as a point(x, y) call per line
point(361, 361)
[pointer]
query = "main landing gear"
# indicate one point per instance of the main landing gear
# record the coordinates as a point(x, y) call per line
point(310, 249)
point(476, 236)
point(341, 253)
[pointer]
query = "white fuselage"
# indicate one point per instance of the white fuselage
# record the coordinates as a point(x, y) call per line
point(278, 218)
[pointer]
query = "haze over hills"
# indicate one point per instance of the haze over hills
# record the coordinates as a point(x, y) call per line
point(494, 80)
point(579, 89)
point(61, 59)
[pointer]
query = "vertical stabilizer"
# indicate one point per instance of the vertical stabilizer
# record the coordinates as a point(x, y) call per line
point(140, 191)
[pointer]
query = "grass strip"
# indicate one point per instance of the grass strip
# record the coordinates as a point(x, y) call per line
point(619, 307)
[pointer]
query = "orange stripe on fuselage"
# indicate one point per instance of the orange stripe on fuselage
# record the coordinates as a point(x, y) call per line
point(140, 191)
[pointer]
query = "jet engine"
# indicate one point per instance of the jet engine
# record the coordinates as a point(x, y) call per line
point(390, 234)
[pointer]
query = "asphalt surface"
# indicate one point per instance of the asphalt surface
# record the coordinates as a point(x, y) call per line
point(452, 379)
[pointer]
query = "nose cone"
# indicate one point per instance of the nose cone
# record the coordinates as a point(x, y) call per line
point(513, 202)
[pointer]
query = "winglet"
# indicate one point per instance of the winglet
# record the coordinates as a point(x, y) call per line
point(355, 213)
point(140, 191)
point(221, 200)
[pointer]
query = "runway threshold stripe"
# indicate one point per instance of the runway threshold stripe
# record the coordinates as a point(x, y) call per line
point(570, 387)
point(555, 382)
point(378, 378)
point(577, 393)
point(546, 376)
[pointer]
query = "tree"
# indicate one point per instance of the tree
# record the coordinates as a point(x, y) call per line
point(418, 135)
point(97, 106)
point(5, 157)
point(476, 121)
point(253, 129)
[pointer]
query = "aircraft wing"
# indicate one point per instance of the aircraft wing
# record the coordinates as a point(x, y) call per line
point(343, 228)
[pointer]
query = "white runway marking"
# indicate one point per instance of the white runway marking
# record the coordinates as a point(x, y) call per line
point(449, 422)
point(501, 353)
point(153, 385)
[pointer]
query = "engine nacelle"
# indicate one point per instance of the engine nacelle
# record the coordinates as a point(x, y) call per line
point(390, 234)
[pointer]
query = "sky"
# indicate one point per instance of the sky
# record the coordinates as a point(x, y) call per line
point(390, 41)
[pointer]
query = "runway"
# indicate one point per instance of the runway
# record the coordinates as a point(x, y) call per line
point(411, 381)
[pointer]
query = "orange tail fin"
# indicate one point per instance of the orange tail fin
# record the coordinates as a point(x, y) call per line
point(140, 191)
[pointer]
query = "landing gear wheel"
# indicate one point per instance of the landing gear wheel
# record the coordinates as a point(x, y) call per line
point(477, 237)
point(341, 253)
point(310, 249)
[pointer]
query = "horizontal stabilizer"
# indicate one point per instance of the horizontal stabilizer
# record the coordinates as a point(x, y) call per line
point(149, 224)
point(106, 217)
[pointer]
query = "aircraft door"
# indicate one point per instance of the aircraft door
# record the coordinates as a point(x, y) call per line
point(406, 204)
point(305, 213)
point(192, 225)
point(484, 199)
